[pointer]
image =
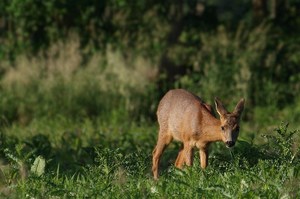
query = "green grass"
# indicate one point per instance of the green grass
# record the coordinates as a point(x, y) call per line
point(76, 129)
point(93, 160)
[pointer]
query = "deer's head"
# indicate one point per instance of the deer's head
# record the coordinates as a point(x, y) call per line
point(230, 121)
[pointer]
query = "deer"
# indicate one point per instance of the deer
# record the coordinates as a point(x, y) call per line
point(182, 116)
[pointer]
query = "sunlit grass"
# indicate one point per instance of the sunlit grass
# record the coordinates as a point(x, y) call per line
point(94, 160)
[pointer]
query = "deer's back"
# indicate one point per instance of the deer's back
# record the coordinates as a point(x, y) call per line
point(180, 113)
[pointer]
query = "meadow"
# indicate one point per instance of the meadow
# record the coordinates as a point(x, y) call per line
point(80, 134)
point(118, 166)
point(80, 85)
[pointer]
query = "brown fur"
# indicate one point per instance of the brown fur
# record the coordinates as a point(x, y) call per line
point(184, 117)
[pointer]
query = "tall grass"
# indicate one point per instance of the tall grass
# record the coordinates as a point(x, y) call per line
point(65, 80)
point(60, 82)
point(225, 62)
point(247, 63)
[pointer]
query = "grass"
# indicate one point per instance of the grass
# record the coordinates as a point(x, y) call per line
point(90, 160)
point(72, 128)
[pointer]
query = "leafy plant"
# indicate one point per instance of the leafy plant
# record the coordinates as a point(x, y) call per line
point(282, 144)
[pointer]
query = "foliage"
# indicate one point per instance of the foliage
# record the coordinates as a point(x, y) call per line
point(60, 85)
point(80, 82)
point(284, 144)
point(201, 46)
point(123, 171)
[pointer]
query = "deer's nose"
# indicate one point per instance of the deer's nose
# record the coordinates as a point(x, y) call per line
point(230, 143)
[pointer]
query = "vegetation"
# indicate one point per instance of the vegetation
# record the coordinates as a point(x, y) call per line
point(119, 166)
point(80, 83)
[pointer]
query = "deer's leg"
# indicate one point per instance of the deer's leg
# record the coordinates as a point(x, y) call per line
point(185, 156)
point(203, 157)
point(180, 159)
point(188, 155)
point(162, 142)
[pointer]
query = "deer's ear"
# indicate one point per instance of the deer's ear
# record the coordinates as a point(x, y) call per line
point(220, 108)
point(239, 107)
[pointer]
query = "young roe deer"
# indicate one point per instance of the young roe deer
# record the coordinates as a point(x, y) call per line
point(184, 117)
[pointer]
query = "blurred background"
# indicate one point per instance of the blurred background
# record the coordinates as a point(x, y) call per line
point(114, 59)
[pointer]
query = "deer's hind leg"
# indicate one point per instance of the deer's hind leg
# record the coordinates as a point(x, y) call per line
point(162, 142)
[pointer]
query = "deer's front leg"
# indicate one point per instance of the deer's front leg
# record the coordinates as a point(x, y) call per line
point(203, 157)
point(185, 156)
point(180, 159)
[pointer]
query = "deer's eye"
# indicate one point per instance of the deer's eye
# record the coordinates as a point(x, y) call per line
point(222, 127)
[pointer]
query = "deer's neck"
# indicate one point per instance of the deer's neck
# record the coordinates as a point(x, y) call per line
point(211, 129)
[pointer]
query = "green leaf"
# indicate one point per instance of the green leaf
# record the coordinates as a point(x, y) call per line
point(38, 167)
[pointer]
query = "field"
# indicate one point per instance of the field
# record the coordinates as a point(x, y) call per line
point(80, 84)
point(63, 159)
point(71, 138)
